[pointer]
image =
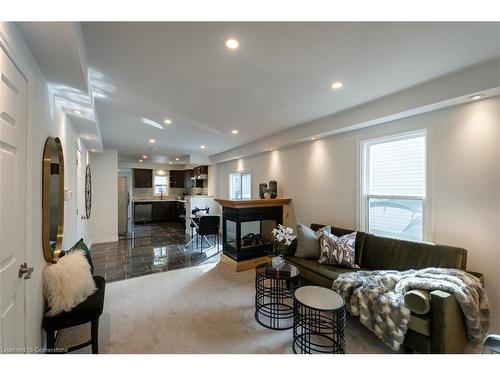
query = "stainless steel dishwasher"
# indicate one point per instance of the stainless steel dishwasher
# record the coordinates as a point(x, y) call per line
point(142, 212)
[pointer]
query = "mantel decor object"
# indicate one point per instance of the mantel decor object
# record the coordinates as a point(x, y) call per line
point(273, 189)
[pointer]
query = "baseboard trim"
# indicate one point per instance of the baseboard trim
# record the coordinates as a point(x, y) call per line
point(96, 241)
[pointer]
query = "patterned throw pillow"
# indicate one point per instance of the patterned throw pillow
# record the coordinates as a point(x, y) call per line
point(338, 250)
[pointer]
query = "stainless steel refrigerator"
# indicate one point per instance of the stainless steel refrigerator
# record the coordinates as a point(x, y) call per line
point(123, 204)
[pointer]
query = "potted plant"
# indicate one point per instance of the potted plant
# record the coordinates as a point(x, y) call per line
point(284, 243)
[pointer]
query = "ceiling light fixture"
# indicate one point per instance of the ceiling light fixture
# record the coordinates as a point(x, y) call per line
point(152, 140)
point(77, 112)
point(337, 85)
point(152, 123)
point(88, 137)
point(477, 97)
point(93, 150)
point(234, 131)
point(313, 138)
point(140, 160)
point(232, 43)
point(169, 162)
point(177, 159)
point(167, 121)
point(144, 156)
point(203, 146)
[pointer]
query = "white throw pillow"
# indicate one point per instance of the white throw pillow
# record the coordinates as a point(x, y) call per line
point(67, 282)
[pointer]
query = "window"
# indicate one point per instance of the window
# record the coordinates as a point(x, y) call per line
point(394, 186)
point(240, 185)
point(160, 185)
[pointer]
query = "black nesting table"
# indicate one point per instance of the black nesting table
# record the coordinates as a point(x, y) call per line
point(274, 295)
point(319, 321)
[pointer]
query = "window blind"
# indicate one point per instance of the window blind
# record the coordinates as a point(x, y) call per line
point(397, 167)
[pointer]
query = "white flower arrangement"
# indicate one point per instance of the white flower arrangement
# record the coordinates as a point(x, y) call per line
point(283, 235)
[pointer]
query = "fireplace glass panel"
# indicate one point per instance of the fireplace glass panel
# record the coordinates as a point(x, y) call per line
point(231, 233)
point(256, 233)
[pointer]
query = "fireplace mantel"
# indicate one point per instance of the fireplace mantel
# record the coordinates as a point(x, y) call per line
point(247, 203)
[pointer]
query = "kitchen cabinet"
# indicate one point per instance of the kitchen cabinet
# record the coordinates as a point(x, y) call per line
point(164, 211)
point(143, 178)
point(176, 179)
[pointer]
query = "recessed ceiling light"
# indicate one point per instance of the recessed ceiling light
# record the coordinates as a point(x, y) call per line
point(337, 85)
point(313, 138)
point(169, 162)
point(232, 43)
point(477, 97)
point(93, 150)
point(235, 131)
point(144, 156)
point(177, 159)
point(167, 121)
point(152, 140)
point(77, 112)
point(203, 146)
point(140, 160)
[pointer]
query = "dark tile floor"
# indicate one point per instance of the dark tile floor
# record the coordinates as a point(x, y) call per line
point(149, 248)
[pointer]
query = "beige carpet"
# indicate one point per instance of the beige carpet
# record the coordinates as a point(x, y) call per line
point(205, 309)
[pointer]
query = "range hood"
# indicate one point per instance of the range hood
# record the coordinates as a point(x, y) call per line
point(200, 177)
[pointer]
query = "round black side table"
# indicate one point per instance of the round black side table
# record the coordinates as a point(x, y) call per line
point(274, 293)
point(319, 321)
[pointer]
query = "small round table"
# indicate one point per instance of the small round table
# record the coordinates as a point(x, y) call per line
point(319, 321)
point(274, 296)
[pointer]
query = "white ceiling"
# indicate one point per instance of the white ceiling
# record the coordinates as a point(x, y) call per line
point(279, 77)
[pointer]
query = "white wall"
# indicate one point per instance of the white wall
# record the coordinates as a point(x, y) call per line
point(104, 217)
point(44, 119)
point(321, 177)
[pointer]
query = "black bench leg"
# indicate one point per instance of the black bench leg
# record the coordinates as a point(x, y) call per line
point(51, 341)
point(94, 332)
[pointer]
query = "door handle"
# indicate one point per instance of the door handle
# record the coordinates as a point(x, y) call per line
point(25, 271)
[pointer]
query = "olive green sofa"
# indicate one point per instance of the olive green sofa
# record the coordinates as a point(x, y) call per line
point(440, 329)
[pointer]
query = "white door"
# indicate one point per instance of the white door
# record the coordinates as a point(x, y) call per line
point(13, 108)
point(81, 215)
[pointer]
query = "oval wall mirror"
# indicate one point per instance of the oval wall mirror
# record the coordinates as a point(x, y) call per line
point(88, 191)
point(53, 199)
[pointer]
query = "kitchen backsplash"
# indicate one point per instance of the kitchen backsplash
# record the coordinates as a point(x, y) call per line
point(173, 193)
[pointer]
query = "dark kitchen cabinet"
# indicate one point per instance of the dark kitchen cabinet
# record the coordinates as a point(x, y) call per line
point(143, 178)
point(164, 211)
point(176, 179)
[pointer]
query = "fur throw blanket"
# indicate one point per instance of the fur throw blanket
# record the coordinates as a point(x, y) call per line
point(377, 297)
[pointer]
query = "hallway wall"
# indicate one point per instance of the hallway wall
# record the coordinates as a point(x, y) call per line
point(44, 119)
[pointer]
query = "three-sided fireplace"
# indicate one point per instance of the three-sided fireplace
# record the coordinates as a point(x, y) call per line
point(247, 226)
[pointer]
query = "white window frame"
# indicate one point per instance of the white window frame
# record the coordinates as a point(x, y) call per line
point(241, 173)
point(167, 176)
point(364, 179)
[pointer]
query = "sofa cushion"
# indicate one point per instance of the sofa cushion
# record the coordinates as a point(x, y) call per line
point(360, 239)
point(338, 250)
point(382, 253)
point(308, 241)
point(418, 301)
point(326, 270)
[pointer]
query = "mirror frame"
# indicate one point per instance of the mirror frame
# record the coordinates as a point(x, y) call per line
point(49, 254)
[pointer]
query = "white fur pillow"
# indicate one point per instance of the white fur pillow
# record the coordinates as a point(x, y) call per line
point(67, 282)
